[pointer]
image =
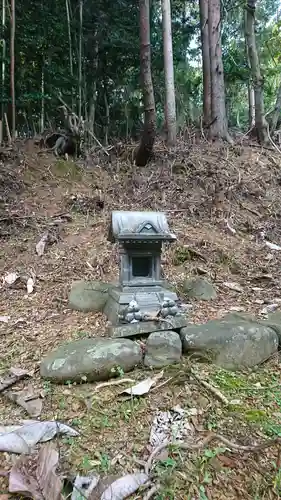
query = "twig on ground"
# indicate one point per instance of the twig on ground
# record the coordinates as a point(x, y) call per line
point(151, 492)
point(204, 442)
point(211, 388)
point(161, 385)
point(159, 320)
point(114, 382)
point(272, 141)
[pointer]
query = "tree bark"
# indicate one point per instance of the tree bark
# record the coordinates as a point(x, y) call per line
point(251, 104)
point(260, 121)
point(80, 58)
point(276, 112)
point(93, 100)
point(69, 44)
point(205, 49)
point(42, 115)
point(3, 66)
point(145, 149)
point(106, 108)
point(12, 54)
point(251, 92)
point(218, 128)
point(170, 104)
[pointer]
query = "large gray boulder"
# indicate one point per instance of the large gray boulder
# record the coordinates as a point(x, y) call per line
point(90, 360)
point(233, 343)
point(274, 321)
point(199, 288)
point(163, 348)
point(88, 296)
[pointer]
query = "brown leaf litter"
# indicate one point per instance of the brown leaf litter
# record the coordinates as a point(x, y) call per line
point(205, 188)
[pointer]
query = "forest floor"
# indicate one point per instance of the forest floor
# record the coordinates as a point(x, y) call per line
point(208, 192)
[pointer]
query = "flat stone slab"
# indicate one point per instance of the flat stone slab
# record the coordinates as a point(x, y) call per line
point(132, 330)
point(90, 360)
point(232, 342)
point(162, 349)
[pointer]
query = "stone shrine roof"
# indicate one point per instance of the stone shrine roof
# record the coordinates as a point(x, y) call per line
point(139, 226)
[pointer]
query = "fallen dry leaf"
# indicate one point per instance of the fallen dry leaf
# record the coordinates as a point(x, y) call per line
point(36, 476)
point(233, 286)
point(83, 486)
point(11, 278)
point(40, 247)
point(28, 400)
point(4, 319)
point(144, 386)
point(22, 438)
point(12, 377)
point(30, 285)
point(124, 486)
point(272, 246)
point(226, 461)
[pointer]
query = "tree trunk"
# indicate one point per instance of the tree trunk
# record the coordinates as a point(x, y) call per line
point(218, 128)
point(106, 107)
point(276, 112)
point(12, 54)
point(205, 49)
point(42, 116)
point(260, 121)
point(251, 92)
point(80, 58)
point(251, 104)
point(145, 149)
point(170, 104)
point(3, 66)
point(93, 100)
point(69, 45)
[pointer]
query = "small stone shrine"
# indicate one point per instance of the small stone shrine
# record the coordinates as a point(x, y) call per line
point(141, 295)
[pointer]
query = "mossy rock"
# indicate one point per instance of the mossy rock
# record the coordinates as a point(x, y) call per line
point(89, 296)
point(199, 288)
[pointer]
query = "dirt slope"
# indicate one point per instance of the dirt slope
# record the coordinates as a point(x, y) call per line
point(221, 202)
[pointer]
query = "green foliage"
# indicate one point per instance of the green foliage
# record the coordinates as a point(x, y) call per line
point(42, 52)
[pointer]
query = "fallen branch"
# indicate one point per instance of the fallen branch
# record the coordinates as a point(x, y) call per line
point(151, 492)
point(88, 130)
point(272, 141)
point(205, 442)
point(113, 382)
point(211, 388)
point(161, 385)
point(97, 141)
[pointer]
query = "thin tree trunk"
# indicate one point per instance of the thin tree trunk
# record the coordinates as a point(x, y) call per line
point(207, 114)
point(42, 116)
point(106, 107)
point(218, 128)
point(261, 124)
point(93, 100)
point(145, 149)
point(251, 104)
point(3, 68)
point(69, 44)
point(170, 104)
point(80, 58)
point(69, 37)
point(276, 111)
point(13, 24)
point(251, 92)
